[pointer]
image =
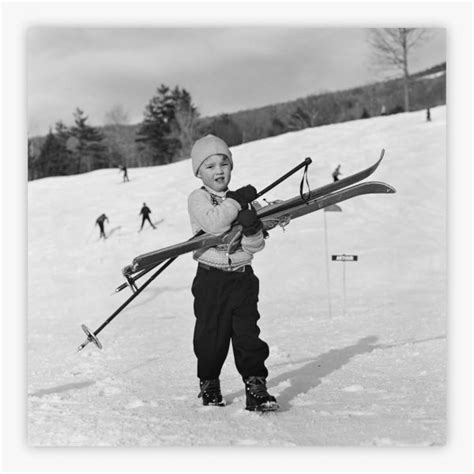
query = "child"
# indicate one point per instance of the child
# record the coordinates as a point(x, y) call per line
point(225, 288)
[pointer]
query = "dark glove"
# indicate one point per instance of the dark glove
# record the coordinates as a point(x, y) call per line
point(249, 221)
point(243, 195)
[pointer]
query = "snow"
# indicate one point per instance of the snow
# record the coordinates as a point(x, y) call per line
point(367, 372)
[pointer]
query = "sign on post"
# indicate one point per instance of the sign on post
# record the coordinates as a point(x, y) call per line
point(344, 258)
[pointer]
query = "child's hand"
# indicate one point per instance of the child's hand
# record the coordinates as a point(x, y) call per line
point(243, 195)
point(249, 221)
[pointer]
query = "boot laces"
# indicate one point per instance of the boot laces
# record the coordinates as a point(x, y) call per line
point(257, 387)
point(209, 387)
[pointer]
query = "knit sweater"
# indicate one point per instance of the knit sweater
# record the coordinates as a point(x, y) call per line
point(212, 212)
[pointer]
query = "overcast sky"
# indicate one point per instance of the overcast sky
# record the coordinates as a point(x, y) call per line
point(224, 69)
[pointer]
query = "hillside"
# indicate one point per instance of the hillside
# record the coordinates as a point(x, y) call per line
point(368, 370)
point(428, 89)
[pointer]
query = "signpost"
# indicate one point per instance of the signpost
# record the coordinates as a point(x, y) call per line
point(333, 208)
point(344, 258)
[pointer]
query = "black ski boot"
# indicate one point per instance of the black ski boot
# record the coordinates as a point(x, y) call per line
point(257, 397)
point(211, 393)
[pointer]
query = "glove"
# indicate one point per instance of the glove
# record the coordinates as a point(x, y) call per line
point(243, 195)
point(249, 221)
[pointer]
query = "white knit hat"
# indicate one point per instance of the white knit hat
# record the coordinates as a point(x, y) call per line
point(206, 147)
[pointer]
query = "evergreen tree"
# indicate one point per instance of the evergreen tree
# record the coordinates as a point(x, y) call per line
point(89, 153)
point(168, 126)
point(63, 134)
point(53, 157)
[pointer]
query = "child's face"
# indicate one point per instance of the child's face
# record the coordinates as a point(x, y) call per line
point(215, 172)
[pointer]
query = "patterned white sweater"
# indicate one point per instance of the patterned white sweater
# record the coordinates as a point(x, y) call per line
point(212, 212)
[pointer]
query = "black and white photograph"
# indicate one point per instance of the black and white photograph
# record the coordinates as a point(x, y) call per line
point(345, 256)
point(237, 235)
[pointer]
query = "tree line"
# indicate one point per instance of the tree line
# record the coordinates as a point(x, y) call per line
point(171, 122)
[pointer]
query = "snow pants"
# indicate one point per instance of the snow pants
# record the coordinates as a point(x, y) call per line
point(102, 233)
point(144, 219)
point(225, 306)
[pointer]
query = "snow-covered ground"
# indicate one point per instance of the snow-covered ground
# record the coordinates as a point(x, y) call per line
point(368, 372)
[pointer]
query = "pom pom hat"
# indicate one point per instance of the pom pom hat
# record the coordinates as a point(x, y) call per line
point(206, 147)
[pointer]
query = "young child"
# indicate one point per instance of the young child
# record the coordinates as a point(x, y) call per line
point(225, 288)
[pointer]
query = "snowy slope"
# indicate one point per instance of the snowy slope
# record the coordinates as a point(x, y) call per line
point(367, 372)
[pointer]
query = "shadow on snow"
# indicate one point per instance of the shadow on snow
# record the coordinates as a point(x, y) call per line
point(310, 375)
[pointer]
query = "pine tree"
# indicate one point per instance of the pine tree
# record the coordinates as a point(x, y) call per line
point(53, 158)
point(168, 126)
point(90, 153)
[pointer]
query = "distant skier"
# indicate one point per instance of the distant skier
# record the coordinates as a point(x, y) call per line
point(145, 213)
point(100, 222)
point(125, 173)
point(336, 173)
point(428, 115)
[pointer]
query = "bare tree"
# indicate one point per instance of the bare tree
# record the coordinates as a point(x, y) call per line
point(186, 116)
point(115, 119)
point(391, 48)
point(117, 115)
point(306, 115)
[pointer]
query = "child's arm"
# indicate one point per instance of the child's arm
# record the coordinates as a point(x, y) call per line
point(252, 230)
point(212, 219)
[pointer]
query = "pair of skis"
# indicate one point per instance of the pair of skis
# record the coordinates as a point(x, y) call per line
point(290, 209)
point(275, 214)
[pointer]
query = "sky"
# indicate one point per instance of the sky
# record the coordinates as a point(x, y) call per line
point(225, 69)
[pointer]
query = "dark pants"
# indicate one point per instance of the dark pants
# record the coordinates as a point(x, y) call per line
point(146, 218)
point(225, 306)
point(102, 233)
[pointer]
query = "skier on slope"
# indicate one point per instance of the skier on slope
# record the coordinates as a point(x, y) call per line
point(336, 173)
point(225, 288)
point(100, 222)
point(145, 213)
point(125, 173)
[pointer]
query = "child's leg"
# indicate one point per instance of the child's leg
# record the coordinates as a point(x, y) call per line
point(213, 329)
point(250, 352)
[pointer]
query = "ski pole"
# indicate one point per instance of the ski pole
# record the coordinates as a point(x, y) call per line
point(131, 280)
point(305, 162)
point(92, 336)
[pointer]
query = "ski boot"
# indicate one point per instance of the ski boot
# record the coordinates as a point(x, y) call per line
point(211, 393)
point(257, 397)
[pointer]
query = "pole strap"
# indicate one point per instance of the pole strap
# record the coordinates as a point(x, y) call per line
point(304, 180)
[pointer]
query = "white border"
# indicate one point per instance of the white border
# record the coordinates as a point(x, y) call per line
point(17, 17)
